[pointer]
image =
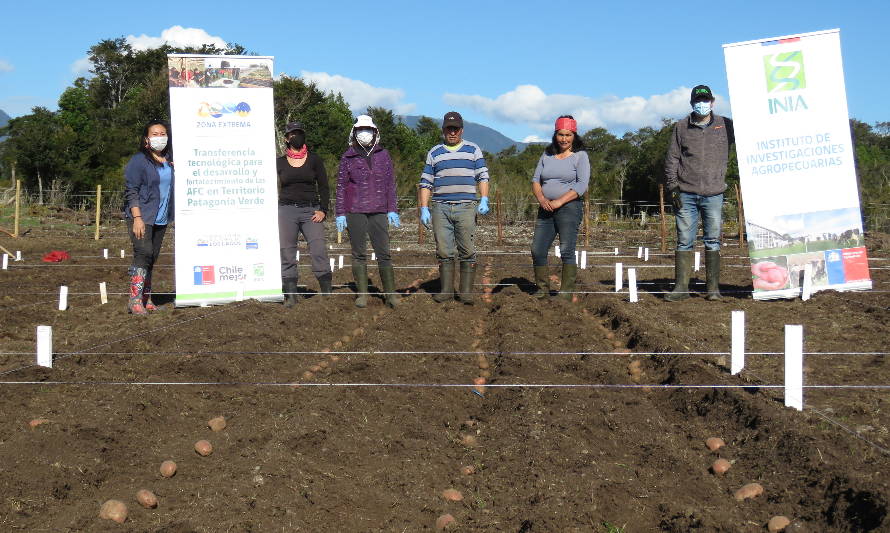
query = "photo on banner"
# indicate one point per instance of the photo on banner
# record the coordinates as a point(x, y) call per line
point(226, 196)
point(796, 164)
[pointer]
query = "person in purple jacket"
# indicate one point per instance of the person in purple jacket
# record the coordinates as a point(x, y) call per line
point(366, 204)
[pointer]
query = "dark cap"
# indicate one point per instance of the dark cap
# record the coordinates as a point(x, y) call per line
point(453, 118)
point(293, 126)
point(701, 93)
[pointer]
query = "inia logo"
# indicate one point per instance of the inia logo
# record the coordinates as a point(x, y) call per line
point(784, 71)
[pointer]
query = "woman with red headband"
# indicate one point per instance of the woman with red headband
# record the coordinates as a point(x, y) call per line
point(559, 182)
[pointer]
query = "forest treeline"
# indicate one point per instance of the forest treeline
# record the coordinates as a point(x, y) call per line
point(96, 128)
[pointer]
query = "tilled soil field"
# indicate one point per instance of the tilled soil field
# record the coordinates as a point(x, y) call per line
point(345, 419)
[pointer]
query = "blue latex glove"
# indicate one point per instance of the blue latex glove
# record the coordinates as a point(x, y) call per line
point(483, 206)
point(394, 219)
point(341, 223)
point(425, 217)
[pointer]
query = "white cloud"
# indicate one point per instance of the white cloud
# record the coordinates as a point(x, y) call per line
point(358, 94)
point(82, 66)
point(531, 106)
point(5, 66)
point(534, 139)
point(178, 37)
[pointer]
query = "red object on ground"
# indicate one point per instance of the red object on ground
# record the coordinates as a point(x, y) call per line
point(56, 256)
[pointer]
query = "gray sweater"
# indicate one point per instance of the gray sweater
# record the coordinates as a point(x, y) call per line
point(697, 156)
point(559, 176)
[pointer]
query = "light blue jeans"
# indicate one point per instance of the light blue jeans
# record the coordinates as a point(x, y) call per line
point(710, 208)
point(453, 228)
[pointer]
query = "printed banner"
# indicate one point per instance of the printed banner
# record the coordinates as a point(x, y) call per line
point(796, 165)
point(226, 193)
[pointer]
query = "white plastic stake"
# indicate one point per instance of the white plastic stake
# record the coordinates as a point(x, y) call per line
point(640, 252)
point(576, 257)
point(340, 262)
point(807, 288)
point(45, 346)
point(697, 261)
point(373, 256)
point(105, 253)
point(63, 297)
point(103, 293)
point(5, 262)
point(632, 284)
point(333, 264)
point(330, 247)
point(399, 249)
point(298, 255)
point(794, 367)
point(123, 254)
point(584, 260)
point(616, 251)
point(619, 277)
point(556, 250)
point(645, 254)
point(738, 342)
point(18, 255)
point(239, 294)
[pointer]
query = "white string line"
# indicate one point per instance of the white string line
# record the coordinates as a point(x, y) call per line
point(441, 352)
point(432, 385)
point(161, 328)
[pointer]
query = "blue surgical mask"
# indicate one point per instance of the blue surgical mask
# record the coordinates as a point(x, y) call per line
point(702, 108)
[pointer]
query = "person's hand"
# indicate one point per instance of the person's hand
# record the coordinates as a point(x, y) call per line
point(341, 223)
point(556, 204)
point(425, 217)
point(769, 276)
point(483, 206)
point(138, 228)
point(546, 205)
point(318, 216)
point(394, 219)
point(675, 199)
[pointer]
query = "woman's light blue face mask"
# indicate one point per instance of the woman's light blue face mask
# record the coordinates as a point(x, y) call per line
point(702, 108)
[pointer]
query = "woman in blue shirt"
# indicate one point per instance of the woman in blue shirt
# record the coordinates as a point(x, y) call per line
point(148, 207)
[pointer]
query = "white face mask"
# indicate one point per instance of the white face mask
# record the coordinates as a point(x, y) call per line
point(365, 137)
point(702, 108)
point(158, 143)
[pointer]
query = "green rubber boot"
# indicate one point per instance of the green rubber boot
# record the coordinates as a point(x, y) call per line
point(467, 276)
point(446, 278)
point(388, 279)
point(567, 285)
point(289, 288)
point(360, 274)
point(712, 266)
point(542, 280)
point(682, 271)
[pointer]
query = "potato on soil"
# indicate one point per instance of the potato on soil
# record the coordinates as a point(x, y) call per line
point(469, 440)
point(37, 422)
point(114, 510)
point(777, 523)
point(147, 499)
point(444, 521)
point(452, 495)
point(168, 468)
point(714, 443)
point(204, 448)
point(751, 490)
point(720, 466)
point(468, 470)
point(217, 423)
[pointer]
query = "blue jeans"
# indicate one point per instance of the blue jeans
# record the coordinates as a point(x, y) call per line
point(711, 210)
point(453, 228)
point(564, 222)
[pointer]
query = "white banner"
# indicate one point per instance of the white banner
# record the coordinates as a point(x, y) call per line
point(226, 194)
point(796, 164)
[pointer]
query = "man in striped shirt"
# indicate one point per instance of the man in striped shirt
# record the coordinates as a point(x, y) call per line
point(451, 174)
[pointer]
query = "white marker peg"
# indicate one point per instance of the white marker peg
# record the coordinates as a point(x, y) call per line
point(123, 254)
point(5, 262)
point(399, 249)
point(619, 277)
point(807, 287)
point(298, 255)
point(632, 284)
point(63, 297)
point(738, 342)
point(330, 246)
point(556, 250)
point(45, 346)
point(18, 255)
point(333, 264)
point(645, 254)
point(340, 262)
point(584, 260)
point(373, 256)
point(697, 261)
point(576, 257)
point(640, 252)
point(794, 367)
point(103, 293)
point(239, 294)
point(104, 253)
point(616, 251)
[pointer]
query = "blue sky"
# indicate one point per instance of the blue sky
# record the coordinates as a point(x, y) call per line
point(513, 66)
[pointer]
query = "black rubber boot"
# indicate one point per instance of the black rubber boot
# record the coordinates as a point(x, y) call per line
point(542, 280)
point(324, 284)
point(712, 267)
point(567, 285)
point(360, 274)
point(388, 279)
point(446, 278)
point(682, 271)
point(467, 276)
point(289, 288)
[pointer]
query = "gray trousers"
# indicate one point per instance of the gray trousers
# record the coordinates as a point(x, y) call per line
point(363, 225)
point(292, 221)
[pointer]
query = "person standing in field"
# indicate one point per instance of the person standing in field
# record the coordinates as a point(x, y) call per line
point(695, 177)
point(448, 184)
point(303, 199)
point(366, 204)
point(560, 180)
point(148, 208)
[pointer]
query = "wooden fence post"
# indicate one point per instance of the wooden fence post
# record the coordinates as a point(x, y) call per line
point(587, 220)
point(420, 234)
point(741, 217)
point(663, 222)
point(98, 209)
point(18, 203)
point(498, 213)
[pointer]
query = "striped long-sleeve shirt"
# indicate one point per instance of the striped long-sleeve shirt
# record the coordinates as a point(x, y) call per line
point(452, 175)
